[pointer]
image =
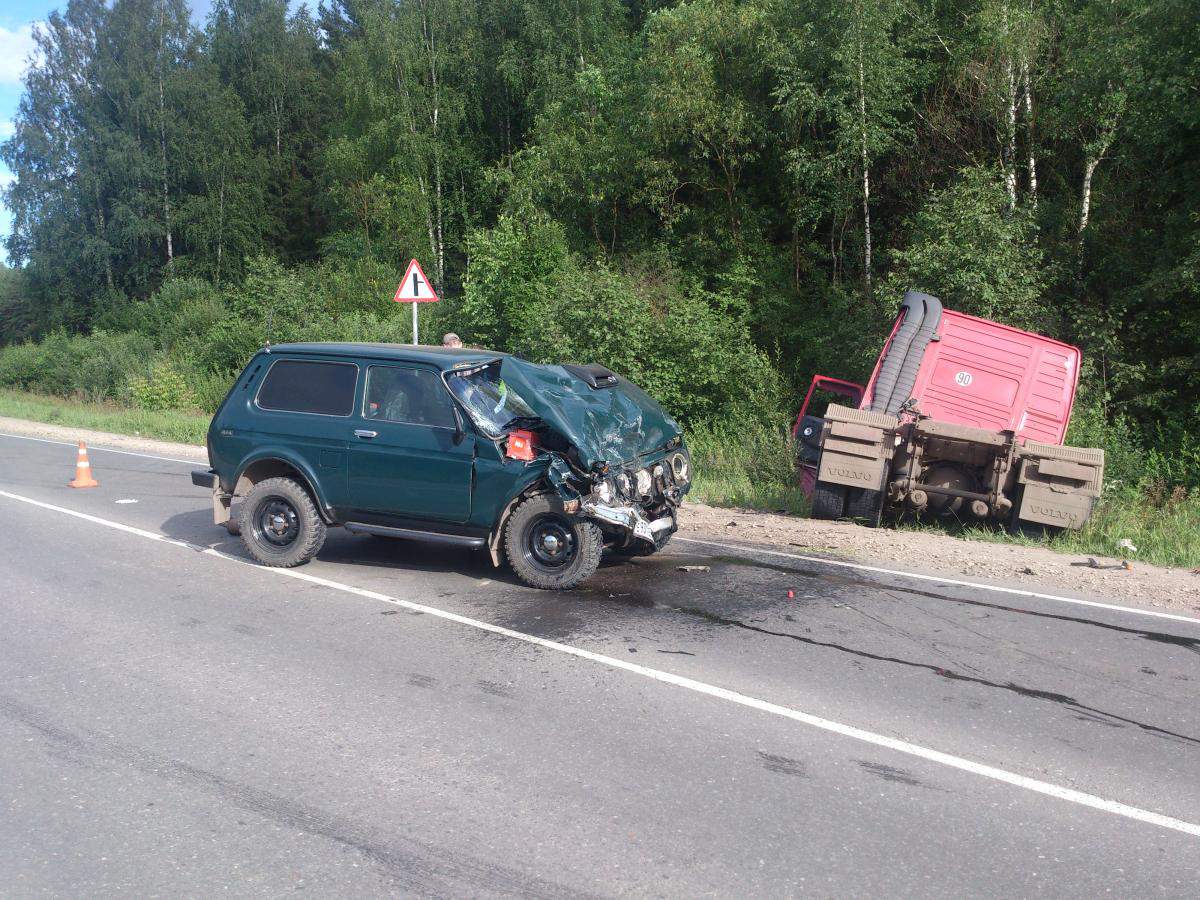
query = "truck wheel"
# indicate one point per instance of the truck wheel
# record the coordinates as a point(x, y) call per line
point(828, 500)
point(280, 524)
point(865, 506)
point(549, 549)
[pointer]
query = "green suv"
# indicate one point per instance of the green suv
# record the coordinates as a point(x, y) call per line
point(545, 465)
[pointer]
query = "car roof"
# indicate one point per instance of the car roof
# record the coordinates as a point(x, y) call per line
point(441, 357)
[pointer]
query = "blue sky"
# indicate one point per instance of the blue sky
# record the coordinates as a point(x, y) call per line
point(17, 20)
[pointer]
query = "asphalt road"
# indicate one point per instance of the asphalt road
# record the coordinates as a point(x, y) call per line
point(398, 719)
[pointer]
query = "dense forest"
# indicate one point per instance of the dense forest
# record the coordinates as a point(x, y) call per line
point(717, 198)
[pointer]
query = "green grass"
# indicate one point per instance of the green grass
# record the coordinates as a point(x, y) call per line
point(168, 425)
point(749, 467)
point(1166, 531)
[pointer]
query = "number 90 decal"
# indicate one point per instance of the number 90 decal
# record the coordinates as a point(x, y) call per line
point(963, 379)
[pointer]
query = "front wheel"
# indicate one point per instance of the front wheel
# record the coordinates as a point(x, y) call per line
point(549, 549)
point(280, 524)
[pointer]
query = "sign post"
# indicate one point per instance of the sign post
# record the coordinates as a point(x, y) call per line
point(415, 288)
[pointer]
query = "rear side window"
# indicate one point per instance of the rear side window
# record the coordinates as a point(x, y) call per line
point(323, 388)
point(411, 396)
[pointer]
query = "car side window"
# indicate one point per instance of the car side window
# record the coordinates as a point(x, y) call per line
point(408, 396)
point(309, 386)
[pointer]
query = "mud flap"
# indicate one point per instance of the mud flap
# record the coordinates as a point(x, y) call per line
point(856, 447)
point(1059, 484)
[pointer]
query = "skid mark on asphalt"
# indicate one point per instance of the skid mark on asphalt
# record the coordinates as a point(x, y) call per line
point(862, 735)
point(941, 671)
point(1189, 643)
point(783, 765)
point(918, 576)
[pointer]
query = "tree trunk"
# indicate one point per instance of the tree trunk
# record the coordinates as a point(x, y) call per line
point(102, 229)
point(162, 133)
point(220, 224)
point(866, 163)
point(1029, 134)
point(1010, 161)
point(435, 117)
point(1085, 198)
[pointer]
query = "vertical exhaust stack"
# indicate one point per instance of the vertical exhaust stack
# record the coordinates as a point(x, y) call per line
point(913, 309)
point(902, 389)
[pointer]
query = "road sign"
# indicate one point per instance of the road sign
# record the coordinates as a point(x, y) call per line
point(415, 288)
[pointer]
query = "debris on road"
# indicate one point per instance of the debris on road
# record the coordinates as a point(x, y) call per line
point(692, 568)
point(125, 500)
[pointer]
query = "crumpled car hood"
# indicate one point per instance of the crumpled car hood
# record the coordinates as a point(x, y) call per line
point(608, 425)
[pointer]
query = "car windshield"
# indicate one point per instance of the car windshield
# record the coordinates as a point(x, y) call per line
point(492, 404)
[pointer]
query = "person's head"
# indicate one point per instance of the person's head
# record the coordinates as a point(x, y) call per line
point(451, 339)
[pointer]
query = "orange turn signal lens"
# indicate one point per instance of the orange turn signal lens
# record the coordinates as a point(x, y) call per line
point(520, 445)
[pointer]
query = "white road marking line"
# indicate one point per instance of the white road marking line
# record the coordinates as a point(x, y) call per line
point(841, 563)
point(868, 737)
point(24, 437)
point(942, 580)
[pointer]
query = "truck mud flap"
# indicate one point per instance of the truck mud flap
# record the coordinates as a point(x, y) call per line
point(1059, 485)
point(856, 447)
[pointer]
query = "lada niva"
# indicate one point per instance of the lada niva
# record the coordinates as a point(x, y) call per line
point(547, 466)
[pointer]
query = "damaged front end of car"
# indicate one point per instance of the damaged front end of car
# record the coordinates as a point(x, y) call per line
point(611, 454)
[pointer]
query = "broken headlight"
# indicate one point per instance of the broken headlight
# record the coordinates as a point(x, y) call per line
point(604, 491)
point(644, 482)
point(680, 467)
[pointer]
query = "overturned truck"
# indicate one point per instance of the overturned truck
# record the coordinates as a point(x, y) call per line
point(961, 418)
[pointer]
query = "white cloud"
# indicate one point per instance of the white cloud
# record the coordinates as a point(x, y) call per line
point(16, 46)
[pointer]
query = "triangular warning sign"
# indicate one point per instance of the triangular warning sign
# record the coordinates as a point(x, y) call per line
point(415, 287)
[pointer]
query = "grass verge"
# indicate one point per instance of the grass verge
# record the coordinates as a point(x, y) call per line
point(166, 425)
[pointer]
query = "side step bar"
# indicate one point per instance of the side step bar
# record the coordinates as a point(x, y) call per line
point(432, 537)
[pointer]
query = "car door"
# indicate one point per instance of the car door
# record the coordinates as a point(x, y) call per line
point(408, 457)
point(302, 409)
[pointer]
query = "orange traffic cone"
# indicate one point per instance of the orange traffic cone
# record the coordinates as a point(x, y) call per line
point(83, 470)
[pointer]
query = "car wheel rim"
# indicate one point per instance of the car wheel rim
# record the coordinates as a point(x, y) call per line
point(550, 543)
point(277, 523)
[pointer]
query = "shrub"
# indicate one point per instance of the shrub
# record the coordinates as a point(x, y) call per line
point(163, 388)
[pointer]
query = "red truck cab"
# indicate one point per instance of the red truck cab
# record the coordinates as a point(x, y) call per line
point(954, 408)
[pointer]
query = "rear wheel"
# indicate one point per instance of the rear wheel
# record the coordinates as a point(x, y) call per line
point(865, 506)
point(828, 500)
point(279, 523)
point(549, 549)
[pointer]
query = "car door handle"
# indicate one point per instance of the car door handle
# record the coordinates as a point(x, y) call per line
point(363, 433)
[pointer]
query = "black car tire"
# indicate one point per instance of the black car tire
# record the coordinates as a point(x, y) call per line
point(527, 542)
point(828, 500)
point(280, 524)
